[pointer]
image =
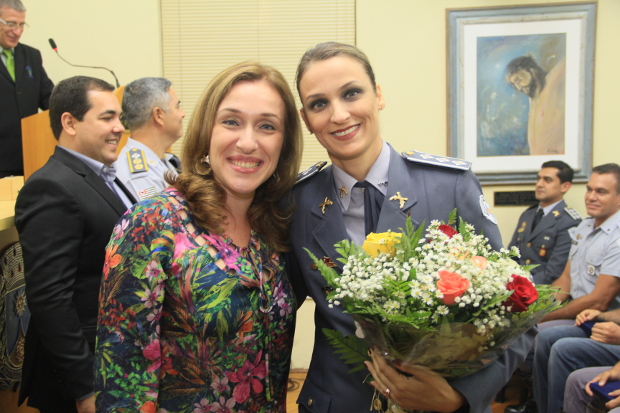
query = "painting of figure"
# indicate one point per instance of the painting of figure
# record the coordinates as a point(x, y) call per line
point(521, 95)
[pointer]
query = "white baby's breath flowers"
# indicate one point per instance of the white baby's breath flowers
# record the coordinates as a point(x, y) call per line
point(393, 287)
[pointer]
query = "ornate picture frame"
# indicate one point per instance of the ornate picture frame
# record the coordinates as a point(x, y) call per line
point(520, 89)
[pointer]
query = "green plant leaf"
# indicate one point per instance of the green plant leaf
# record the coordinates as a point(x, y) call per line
point(352, 349)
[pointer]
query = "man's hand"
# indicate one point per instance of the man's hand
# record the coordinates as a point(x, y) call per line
point(602, 379)
point(607, 332)
point(86, 405)
point(586, 315)
point(425, 390)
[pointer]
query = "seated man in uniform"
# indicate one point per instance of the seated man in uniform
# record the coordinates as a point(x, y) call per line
point(542, 232)
point(591, 280)
point(153, 112)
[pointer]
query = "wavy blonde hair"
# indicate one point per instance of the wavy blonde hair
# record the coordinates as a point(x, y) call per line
point(205, 196)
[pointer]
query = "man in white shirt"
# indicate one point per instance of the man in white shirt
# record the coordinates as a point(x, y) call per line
point(153, 113)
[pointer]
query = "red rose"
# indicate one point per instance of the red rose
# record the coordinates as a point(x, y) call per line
point(523, 294)
point(451, 286)
point(448, 230)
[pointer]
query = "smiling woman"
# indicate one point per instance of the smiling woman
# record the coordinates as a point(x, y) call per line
point(197, 312)
point(371, 188)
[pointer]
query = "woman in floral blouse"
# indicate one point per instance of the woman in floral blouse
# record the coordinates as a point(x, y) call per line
point(196, 310)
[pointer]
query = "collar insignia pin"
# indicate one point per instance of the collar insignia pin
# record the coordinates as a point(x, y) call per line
point(343, 191)
point(398, 197)
point(324, 204)
point(556, 213)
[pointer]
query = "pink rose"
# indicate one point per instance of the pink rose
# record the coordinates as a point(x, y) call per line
point(524, 293)
point(451, 286)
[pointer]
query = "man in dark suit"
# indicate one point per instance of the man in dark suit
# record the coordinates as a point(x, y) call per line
point(24, 85)
point(430, 188)
point(65, 214)
point(542, 233)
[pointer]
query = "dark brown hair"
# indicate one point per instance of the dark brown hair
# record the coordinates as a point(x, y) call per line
point(324, 51)
point(205, 195)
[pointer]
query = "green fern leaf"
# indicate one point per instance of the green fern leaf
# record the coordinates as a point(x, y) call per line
point(352, 349)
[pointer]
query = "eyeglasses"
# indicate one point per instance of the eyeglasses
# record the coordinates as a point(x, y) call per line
point(13, 25)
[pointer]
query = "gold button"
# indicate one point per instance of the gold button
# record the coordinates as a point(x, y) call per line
point(310, 401)
point(529, 244)
point(527, 262)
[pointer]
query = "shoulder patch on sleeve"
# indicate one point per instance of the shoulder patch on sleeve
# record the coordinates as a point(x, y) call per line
point(573, 214)
point(486, 210)
point(445, 161)
point(137, 161)
point(313, 170)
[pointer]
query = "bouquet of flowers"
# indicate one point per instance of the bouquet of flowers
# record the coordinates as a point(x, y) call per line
point(445, 299)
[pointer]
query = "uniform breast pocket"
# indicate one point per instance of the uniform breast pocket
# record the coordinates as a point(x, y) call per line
point(546, 239)
point(593, 263)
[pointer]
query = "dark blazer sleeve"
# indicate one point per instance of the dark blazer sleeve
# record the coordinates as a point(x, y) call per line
point(559, 256)
point(51, 259)
point(469, 202)
point(480, 388)
point(45, 84)
point(513, 241)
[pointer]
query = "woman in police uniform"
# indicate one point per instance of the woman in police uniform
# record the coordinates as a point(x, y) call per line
point(341, 104)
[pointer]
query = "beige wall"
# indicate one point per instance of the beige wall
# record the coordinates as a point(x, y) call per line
point(124, 36)
point(405, 40)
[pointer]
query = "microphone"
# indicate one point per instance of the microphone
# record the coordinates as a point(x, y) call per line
point(53, 44)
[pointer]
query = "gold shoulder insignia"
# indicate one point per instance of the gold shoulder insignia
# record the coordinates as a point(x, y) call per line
point(137, 161)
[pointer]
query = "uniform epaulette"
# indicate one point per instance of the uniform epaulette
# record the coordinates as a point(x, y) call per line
point(427, 158)
point(573, 214)
point(137, 160)
point(313, 170)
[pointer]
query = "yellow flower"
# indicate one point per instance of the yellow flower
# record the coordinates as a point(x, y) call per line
point(383, 242)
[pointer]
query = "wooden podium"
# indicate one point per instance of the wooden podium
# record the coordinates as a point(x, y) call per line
point(38, 142)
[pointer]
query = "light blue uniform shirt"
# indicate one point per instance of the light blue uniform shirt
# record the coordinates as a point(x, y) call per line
point(351, 200)
point(143, 184)
point(594, 251)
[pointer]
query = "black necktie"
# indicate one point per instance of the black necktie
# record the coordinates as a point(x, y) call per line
point(537, 218)
point(373, 198)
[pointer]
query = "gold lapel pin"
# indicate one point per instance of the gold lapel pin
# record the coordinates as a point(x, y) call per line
point(523, 224)
point(556, 213)
point(324, 204)
point(343, 191)
point(398, 197)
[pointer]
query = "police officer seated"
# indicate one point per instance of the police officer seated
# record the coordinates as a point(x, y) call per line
point(152, 111)
point(542, 232)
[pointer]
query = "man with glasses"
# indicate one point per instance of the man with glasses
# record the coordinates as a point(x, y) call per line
point(24, 85)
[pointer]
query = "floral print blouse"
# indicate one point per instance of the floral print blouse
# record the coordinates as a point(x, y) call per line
point(189, 322)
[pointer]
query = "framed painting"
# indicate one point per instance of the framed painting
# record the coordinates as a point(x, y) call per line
point(520, 89)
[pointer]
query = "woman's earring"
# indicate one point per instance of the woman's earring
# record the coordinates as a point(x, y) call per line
point(203, 168)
